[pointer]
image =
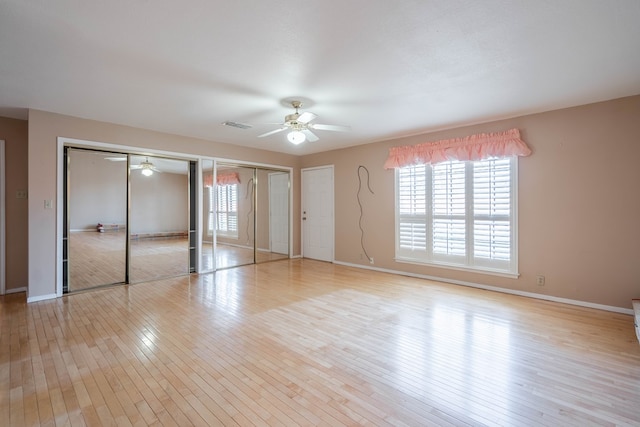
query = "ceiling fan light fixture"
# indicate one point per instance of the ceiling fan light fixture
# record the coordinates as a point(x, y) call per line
point(296, 137)
point(146, 172)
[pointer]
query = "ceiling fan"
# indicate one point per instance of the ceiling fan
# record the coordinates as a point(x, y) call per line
point(300, 126)
point(146, 167)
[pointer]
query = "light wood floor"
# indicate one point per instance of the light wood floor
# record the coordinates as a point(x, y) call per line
point(97, 259)
point(232, 256)
point(301, 342)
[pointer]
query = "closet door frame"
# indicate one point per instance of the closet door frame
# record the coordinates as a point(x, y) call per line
point(256, 166)
point(61, 185)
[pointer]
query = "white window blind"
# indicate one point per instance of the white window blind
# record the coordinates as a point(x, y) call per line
point(412, 232)
point(492, 199)
point(212, 207)
point(227, 210)
point(448, 201)
point(458, 213)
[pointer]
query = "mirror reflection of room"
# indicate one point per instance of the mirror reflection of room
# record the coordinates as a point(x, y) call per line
point(207, 263)
point(159, 218)
point(234, 215)
point(97, 212)
point(251, 214)
point(97, 217)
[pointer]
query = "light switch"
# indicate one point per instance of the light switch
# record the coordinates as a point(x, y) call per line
point(48, 204)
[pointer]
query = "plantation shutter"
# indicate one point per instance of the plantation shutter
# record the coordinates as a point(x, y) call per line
point(458, 213)
point(232, 197)
point(227, 209)
point(449, 210)
point(412, 212)
point(492, 201)
point(211, 217)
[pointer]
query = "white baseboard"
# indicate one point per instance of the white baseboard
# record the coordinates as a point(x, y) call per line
point(15, 290)
point(235, 245)
point(41, 298)
point(495, 289)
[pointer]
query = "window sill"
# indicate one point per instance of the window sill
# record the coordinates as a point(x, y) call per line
point(459, 268)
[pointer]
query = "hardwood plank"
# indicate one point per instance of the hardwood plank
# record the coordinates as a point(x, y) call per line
point(299, 342)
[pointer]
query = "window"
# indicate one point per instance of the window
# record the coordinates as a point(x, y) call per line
point(212, 211)
point(458, 214)
point(227, 210)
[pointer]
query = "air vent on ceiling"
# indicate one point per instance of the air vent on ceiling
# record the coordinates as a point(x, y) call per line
point(237, 125)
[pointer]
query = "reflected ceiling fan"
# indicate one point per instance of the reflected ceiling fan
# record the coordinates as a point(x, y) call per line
point(146, 167)
point(300, 126)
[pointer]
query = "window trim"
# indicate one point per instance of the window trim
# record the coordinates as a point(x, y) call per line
point(514, 270)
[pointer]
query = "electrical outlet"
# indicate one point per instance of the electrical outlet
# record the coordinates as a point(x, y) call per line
point(371, 260)
point(540, 280)
point(21, 194)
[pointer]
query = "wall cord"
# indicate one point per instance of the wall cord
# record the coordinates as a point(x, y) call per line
point(361, 209)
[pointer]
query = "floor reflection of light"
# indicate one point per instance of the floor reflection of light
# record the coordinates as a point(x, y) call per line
point(148, 339)
point(221, 292)
point(438, 353)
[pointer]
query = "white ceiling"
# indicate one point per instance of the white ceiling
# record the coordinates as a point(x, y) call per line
point(386, 68)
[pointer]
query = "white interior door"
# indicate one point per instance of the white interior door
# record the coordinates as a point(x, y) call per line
point(279, 212)
point(317, 213)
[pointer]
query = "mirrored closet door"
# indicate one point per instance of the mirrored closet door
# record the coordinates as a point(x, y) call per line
point(95, 238)
point(248, 213)
point(159, 221)
point(127, 218)
point(235, 208)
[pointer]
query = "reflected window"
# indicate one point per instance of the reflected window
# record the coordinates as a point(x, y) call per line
point(227, 209)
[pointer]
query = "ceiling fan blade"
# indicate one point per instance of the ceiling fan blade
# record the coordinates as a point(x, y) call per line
point(116, 159)
point(306, 117)
point(155, 169)
point(311, 137)
point(272, 132)
point(336, 128)
point(134, 167)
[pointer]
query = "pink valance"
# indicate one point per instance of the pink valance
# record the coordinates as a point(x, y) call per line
point(221, 179)
point(228, 178)
point(474, 147)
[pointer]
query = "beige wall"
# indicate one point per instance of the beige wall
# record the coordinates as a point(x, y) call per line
point(45, 128)
point(578, 199)
point(159, 203)
point(97, 190)
point(14, 133)
point(246, 209)
point(579, 203)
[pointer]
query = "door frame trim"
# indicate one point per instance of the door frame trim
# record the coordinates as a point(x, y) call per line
point(81, 143)
point(333, 216)
point(264, 166)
